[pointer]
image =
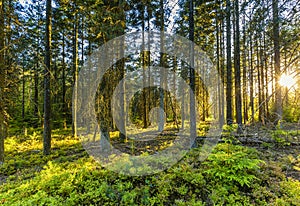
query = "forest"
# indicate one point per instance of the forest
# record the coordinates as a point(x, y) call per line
point(150, 102)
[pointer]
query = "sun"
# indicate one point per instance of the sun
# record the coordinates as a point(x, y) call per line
point(287, 81)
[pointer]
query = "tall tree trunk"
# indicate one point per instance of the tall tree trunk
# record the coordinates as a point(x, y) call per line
point(266, 79)
point(149, 59)
point(2, 81)
point(278, 100)
point(237, 70)
point(251, 80)
point(219, 68)
point(23, 94)
point(36, 74)
point(122, 76)
point(228, 65)
point(36, 94)
point(260, 109)
point(162, 70)
point(193, 130)
point(64, 104)
point(262, 84)
point(143, 56)
point(222, 53)
point(47, 77)
point(174, 91)
point(245, 96)
point(183, 108)
point(75, 73)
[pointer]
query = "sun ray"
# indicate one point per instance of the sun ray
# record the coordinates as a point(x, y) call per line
point(287, 81)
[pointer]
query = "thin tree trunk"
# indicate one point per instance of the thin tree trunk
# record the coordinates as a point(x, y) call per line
point(2, 81)
point(64, 104)
point(47, 92)
point(251, 81)
point(36, 94)
point(123, 89)
point(228, 65)
point(23, 94)
point(245, 96)
point(222, 52)
point(262, 84)
point(75, 75)
point(278, 100)
point(258, 80)
point(238, 96)
point(193, 129)
point(143, 56)
point(266, 80)
point(36, 75)
point(162, 72)
point(148, 60)
point(218, 55)
point(122, 98)
point(184, 77)
point(174, 91)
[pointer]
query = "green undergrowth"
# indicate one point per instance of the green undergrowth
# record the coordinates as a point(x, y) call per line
point(231, 175)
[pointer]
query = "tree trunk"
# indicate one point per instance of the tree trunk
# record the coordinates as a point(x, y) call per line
point(75, 72)
point(23, 95)
point(260, 109)
point(122, 76)
point(262, 84)
point(237, 71)
point(219, 68)
point(143, 56)
point(36, 94)
point(228, 65)
point(278, 100)
point(245, 96)
point(222, 72)
point(148, 60)
point(193, 129)
point(267, 113)
point(162, 70)
point(64, 104)
point(251, 80)
point(183, 108)
point(2, 81)
point(47, 92)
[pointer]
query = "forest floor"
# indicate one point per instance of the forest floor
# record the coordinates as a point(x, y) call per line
point(236, 173)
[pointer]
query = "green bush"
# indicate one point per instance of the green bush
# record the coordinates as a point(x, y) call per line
point(231, 175)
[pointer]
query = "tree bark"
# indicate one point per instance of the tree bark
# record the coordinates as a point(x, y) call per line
point(245, 96)
point(237, 71)
point(251, 80)
point(123, 89)
point(36, 94)
point(278, 99)
point(229, 65)
point(193, 130)
point(47, 92)
point(219, 68)
point(162, 70)
point(143, 56)
point(75, 77)
point(2, 81)
point(64, 104)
